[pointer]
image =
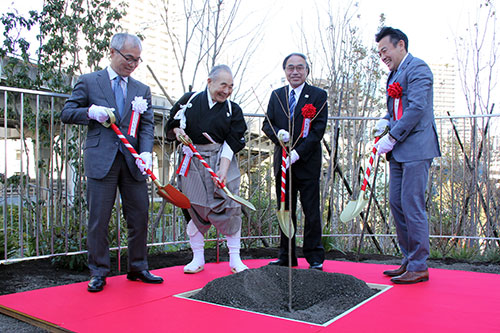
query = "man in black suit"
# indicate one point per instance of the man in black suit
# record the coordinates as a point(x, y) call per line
point(296, 119)
point(108, 164)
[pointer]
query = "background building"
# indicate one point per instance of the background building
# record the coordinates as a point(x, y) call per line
point(144, 17)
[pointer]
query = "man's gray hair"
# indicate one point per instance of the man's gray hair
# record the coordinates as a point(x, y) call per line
point(119, 40)
point(214, 73)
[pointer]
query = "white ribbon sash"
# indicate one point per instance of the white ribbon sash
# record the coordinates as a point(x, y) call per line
point(186, 161)
point(134, 123)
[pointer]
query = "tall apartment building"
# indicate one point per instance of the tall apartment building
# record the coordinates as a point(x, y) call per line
point(143, 17)
point(445, 100)
point(444, 89)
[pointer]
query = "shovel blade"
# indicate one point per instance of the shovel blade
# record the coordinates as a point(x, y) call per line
point(174, 196)
point(239, 199)
point(354, 208)
point(284, 221)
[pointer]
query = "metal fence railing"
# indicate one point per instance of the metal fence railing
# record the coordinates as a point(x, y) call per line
point(42, 190)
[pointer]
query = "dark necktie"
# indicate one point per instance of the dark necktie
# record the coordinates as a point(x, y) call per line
point(120, 99)
point(292, 102)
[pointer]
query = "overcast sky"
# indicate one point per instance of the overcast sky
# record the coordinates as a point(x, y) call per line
point(432, 26)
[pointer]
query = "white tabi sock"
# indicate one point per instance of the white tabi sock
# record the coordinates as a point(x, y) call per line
point(234, 245)
point(197, 242)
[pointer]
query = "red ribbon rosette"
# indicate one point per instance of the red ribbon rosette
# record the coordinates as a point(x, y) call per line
point(308, 112)
point(396, 91)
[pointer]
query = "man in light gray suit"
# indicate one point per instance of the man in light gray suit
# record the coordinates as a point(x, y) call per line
point(411, 145)
point(108, 164)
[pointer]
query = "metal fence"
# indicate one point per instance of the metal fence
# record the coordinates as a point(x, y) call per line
point(42, 191)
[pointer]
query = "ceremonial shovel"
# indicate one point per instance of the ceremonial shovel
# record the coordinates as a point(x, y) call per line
point(168, 192)
point(284, 215)
point(354, 207)
point(232, 196)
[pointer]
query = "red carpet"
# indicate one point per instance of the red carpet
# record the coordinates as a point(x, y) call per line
point(451, 301)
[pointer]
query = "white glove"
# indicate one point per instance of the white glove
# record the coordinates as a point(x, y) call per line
point(380, 127)
point(99, 113)
point(283, 135)
point(385, 144)
point(293, 157)
point(146, 163)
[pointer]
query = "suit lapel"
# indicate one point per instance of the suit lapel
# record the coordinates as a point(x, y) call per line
point(391, 74)
point(303, 99)
point(394, 76)
point(283, 101)
point(104, 83)
point(131, 93)
point(405, 64)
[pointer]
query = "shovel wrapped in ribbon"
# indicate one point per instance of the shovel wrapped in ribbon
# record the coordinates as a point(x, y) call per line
point(232, 196)
point(354, 207)
point(284, 215)
point(168, 192)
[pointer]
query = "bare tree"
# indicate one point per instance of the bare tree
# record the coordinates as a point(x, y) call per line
point(351, 74)
point(477, 53)
point(477, 59)
point(208, 35)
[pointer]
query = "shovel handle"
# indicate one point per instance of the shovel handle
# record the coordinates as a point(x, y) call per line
point(372, 159)
point(205, 164)
point(283, 175)
point(173, 196)
point(111, 120)
point(370, 165)
point(234, 197)
point(131, 149)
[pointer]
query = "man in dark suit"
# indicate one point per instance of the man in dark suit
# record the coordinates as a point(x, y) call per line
point(296, 118)
point(411, 145)
point(108, 164)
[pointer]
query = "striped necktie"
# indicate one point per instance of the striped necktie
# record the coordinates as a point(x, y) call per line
point(292, 102)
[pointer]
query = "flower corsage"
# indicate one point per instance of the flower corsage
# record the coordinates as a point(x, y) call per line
point(396, 92)
point(139, 106)
point(308, 112)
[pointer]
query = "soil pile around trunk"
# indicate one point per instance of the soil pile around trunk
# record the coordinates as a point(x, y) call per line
point(317, 296)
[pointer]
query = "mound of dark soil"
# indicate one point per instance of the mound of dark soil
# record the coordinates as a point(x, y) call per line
point(29, 275)
point(317, 297)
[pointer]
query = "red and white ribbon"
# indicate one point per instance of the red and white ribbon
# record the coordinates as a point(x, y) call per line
point(186, 162)
point(399, 107)
point(134, 123)
point(369, 167)
point(205, 164)
point(131, 149)
point(283, 174)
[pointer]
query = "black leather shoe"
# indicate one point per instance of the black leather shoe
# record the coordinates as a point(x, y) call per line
point(145, 276)
point(281, 262)
point(96, 283)
point(316, 265)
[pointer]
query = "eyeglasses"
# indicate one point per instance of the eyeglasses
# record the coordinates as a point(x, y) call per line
point(298, 68)
point(129, 59)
